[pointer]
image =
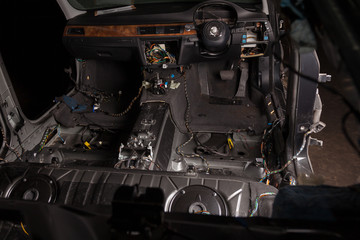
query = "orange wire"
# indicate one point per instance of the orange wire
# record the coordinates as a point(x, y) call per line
point(23, 228)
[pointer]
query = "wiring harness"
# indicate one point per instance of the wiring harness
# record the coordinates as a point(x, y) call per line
point(48, 135)
point(271, 172)
point(8, 145)
point(156, 54)
point(129, 106)
point(257, 202)
point(100, 96)
point(187, 125)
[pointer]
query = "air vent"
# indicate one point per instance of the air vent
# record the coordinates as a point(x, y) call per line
point(76, 31)
point(147, 30)
point(172, 29)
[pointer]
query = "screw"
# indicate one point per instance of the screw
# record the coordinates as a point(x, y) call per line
point(302, 128)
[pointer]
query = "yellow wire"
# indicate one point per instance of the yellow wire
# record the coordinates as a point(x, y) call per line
point(230, 143)
point(23, 228)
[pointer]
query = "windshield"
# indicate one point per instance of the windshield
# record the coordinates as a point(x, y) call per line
point(102, 4)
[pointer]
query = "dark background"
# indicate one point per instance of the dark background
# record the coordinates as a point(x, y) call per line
point(337, 163)
point(333, 24)
point(32, 49)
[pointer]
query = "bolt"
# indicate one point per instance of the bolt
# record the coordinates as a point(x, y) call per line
point(281, 24)
point(24, 180)
point(302, 128)
point(182, 192)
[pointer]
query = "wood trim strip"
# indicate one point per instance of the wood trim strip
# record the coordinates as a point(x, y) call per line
point(122, 31)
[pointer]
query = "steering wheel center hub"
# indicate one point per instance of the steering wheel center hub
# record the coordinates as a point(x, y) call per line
point(215, 36)
point(215, 31)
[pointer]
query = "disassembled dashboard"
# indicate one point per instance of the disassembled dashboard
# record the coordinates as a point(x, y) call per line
point(214, 30)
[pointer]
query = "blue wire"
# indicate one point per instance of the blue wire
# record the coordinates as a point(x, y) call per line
point(58, 132)
point(257, 201)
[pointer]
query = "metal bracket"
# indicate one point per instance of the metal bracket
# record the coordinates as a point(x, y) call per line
point(317, 127)
point(316, 142)
point(323, 78)
point(121, 157)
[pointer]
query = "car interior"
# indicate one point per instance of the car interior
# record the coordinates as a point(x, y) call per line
point(192, 99)
point(192, 91)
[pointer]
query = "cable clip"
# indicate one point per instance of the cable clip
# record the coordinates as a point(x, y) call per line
point(230, 143)
point(87, 144)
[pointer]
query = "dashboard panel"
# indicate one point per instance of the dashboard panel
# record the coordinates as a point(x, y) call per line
point(145, 30)
point(184, 32)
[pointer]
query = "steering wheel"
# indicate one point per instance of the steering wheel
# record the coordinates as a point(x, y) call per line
point(214, 34)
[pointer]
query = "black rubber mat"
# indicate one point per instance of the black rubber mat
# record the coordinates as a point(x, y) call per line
point(204, 116)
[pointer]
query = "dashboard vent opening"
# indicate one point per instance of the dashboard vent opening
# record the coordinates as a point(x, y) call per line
point(76, 31)
point(147, 30)
point(172, 29)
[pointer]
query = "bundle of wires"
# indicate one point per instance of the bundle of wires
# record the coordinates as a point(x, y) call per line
point(156, 54)
point(49, 133)
point(271, 172)
point(190, 131)
point(266, 136)
point(257, 202)
point(203, 212)
point(128, 108)
point(5, 143)
point(252, 52)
